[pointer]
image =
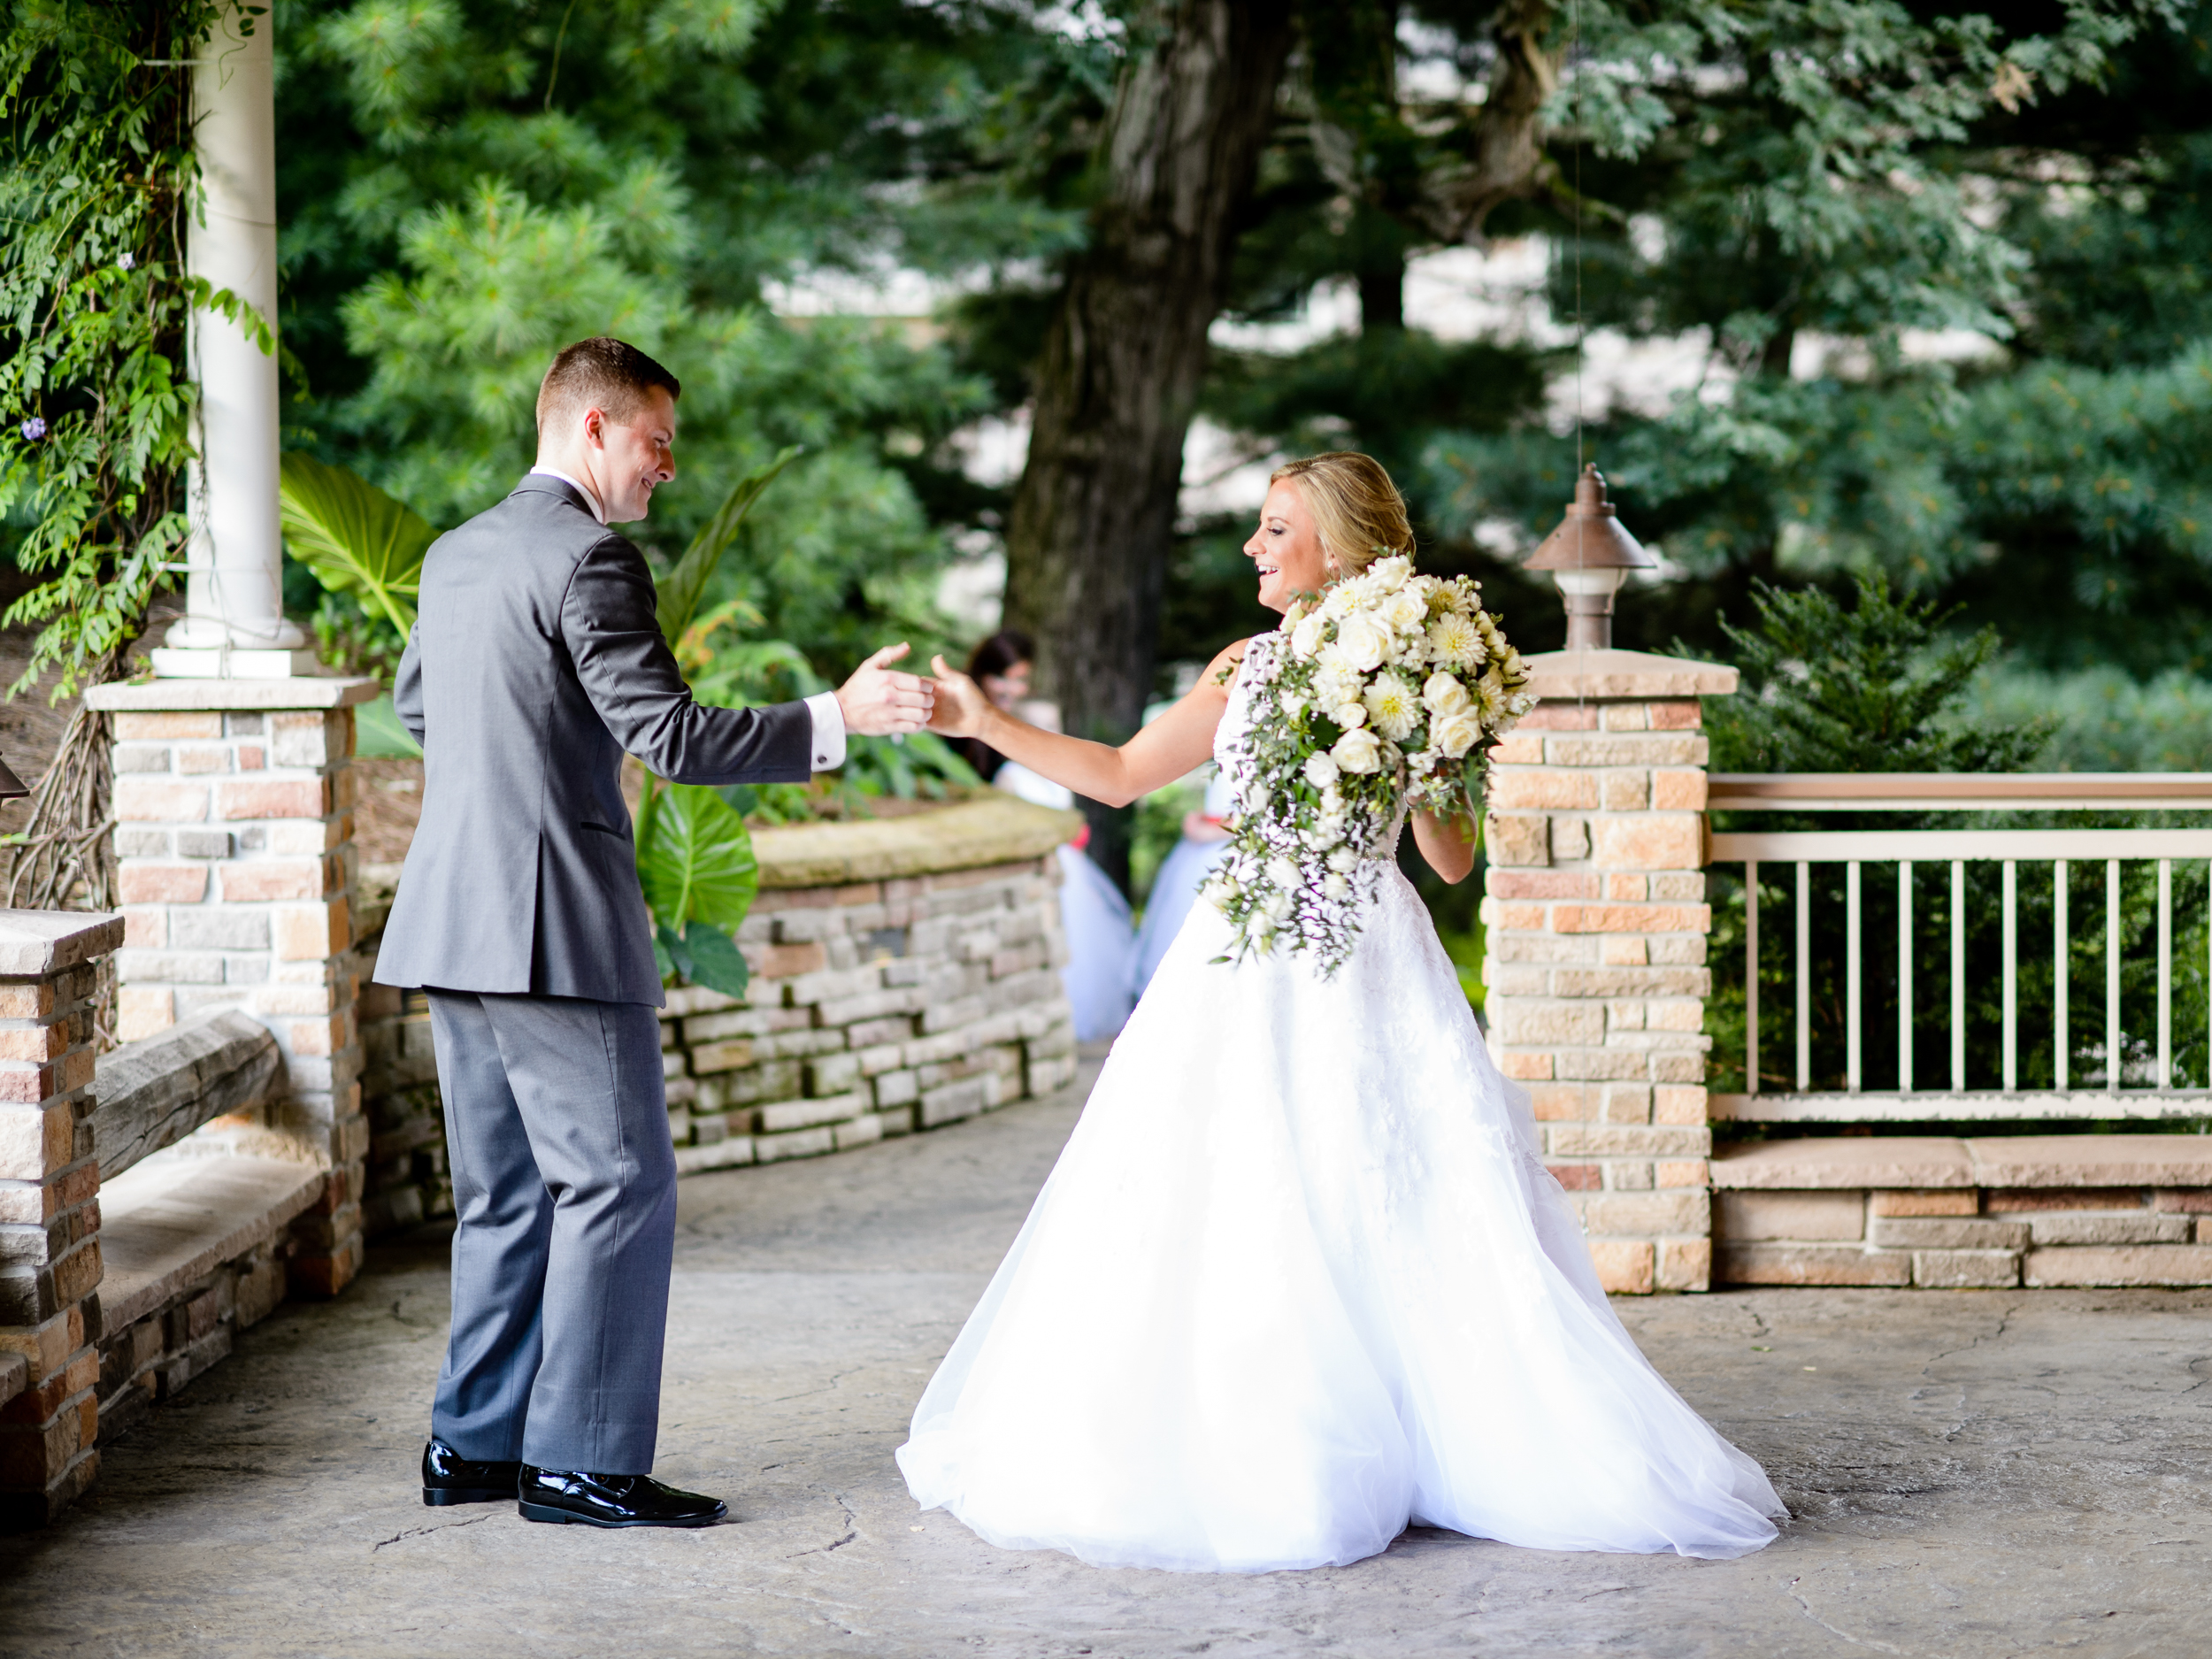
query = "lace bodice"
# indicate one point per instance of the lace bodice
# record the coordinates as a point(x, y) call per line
point(1236, 720)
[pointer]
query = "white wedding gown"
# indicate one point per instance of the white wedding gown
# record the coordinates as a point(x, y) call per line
point(1298, 1280)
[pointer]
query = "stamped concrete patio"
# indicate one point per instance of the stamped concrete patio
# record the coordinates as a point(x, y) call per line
point(1975, 1473)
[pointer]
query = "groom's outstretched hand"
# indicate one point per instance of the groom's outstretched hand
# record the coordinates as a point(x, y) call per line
point(878, 700)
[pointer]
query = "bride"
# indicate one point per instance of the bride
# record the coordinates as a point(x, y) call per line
point(1299, 1279)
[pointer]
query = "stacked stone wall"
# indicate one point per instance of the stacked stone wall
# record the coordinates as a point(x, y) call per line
point(50, 1263)
point(1596, 916)
point(878, 1008)
point(1946, 1213)
point(236, 871)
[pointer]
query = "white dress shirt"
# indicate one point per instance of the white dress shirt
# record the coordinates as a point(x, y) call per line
point(829, 719)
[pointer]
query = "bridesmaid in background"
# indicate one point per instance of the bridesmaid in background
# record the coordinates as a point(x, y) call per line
point(1092, 912)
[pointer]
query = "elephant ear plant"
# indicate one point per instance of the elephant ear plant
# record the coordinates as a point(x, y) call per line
point(695, 855)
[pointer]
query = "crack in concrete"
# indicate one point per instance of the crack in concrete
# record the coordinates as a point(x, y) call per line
point(424, 1532)
point(852, 1529)
point(2004, 1319)
point(1806, 1608)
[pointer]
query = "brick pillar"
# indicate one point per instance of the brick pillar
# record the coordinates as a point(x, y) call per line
point(49, 1208)
point(234, 832)
point(1596, 917)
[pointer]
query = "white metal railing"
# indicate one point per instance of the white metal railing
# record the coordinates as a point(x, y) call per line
point(1909, 850)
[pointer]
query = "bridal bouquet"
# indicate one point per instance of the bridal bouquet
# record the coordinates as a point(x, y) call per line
point(1379, 699)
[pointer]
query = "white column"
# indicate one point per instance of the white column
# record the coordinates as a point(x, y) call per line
point(233, 624)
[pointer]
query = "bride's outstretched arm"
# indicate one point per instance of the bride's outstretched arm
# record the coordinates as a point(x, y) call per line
point(1156, 757)
point(1447, 843)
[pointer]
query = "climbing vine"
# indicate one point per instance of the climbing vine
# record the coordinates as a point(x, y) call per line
point(97, 176)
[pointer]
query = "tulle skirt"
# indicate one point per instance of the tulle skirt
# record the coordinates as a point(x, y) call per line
point(1298, 1281)
point(1096, 918)
point(1174, 890)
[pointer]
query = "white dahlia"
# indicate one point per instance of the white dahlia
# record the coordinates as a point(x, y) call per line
point(1390, 703)
point(1455, 641)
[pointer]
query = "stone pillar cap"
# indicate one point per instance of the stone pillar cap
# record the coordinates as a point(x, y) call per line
point(35, 943)
point(165, 696)
point(1570, 676)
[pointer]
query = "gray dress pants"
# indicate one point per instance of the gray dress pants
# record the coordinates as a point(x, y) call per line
point(564, 1190)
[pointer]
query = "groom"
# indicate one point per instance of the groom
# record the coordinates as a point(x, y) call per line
point(537, 661)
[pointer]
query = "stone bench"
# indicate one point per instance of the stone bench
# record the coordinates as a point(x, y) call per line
point(1944, 1212)
point(153, 1092)
point(195, 1250)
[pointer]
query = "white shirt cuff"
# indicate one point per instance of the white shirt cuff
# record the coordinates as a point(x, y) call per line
point(829, 731)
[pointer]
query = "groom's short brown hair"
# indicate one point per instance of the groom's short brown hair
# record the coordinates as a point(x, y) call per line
point(611, 374)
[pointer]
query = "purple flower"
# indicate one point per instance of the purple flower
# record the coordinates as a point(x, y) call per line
point(34, 428)
point(129, 262)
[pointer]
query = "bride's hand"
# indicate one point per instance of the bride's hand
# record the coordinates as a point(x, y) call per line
point(961, 706)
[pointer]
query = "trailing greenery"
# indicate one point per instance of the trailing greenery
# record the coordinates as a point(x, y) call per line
point(96, 178)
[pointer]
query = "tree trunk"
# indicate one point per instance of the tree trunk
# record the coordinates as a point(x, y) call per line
point(1088, 536)
point(1509, 156)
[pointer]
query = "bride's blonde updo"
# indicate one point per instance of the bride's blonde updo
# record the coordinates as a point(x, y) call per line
point(1357, 509)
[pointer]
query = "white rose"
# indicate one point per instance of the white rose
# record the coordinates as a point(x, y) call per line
point(1362, 640)
point(1282, 873)
point(1390, 574)
point(1305, 639)
point(1349, 715)
point(1406, 610)
point(1446, 695)
point(1359, 751)
point(1321, 771)
point(1336, 886)
point(1278, 906)
point(1457, 733)
point(1343, 860)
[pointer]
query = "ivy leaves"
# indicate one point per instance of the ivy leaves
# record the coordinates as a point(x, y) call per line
point(95, 167)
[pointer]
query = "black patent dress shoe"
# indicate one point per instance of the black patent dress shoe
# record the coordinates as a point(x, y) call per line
point(568, 1496)
point(450, 1478)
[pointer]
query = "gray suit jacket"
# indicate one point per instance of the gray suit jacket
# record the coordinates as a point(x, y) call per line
point(536, 662)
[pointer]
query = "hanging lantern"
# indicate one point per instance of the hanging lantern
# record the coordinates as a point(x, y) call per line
point(1590, 555)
